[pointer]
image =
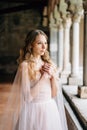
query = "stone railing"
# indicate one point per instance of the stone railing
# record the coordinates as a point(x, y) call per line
point(78, 107)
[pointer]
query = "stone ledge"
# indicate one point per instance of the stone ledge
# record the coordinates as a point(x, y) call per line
point(79, 106)
point(72, 121)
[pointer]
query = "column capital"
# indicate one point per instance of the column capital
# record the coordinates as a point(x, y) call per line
point(54, 26)
point(76, 7)
point(52, 23)
point(55, 20)
point(77, 17)
point(58, 18)
point(67, 21)
point(52, 20)
point(60, 26)
point(63, 7)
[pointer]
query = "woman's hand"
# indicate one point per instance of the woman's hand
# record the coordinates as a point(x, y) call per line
point(47, 68)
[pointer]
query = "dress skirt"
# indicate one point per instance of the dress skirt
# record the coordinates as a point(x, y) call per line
point(41, 115)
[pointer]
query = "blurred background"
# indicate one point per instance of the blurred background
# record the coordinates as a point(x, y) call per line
point(16, 19)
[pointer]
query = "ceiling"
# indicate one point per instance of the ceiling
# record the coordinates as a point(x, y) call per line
point(9, 6)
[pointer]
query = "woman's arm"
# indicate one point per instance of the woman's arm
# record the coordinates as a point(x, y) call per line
point(53, 86)
point(28, 92)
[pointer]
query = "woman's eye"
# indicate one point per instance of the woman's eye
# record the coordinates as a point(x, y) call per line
point(39, 43)
point(42, 43)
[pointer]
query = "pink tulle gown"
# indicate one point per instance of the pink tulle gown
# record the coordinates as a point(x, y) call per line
point(42, 112)
point(32, 106)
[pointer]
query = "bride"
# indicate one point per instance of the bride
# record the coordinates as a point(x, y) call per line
point(36, 101)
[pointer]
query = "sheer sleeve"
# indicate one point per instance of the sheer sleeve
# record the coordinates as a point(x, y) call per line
point(20, 98)
point(25, 82)
point(19, 94)
point(60, 103)
point(29, 93)
point(59, 97)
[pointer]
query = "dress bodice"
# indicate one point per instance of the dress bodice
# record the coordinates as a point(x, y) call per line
point(44, 90)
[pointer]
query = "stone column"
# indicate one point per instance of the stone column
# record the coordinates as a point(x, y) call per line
point(59, 25)
point(63, 6)
point(53, 47)
point(60, 46)
point(75, 77)
point(85, 52)
point(82, 90)
point(66, 64)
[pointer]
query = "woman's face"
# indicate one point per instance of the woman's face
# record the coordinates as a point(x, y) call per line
point(39, 46)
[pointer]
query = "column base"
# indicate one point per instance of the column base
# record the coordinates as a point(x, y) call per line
point(64, 75)
point(82, 92)
point(64, 80)
point(75, 81)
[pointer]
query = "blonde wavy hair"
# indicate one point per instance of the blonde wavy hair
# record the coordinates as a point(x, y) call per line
point(26, 52)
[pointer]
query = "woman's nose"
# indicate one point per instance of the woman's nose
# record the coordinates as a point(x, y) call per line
point(43, 46)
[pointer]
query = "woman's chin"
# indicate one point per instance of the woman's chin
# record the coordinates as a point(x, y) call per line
point(42, 53)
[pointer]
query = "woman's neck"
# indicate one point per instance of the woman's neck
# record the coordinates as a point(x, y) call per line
point(36, 58)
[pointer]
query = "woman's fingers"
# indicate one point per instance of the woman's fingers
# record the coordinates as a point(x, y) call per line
point(47, 68)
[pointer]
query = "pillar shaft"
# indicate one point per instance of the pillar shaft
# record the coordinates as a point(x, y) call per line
point(85, 51)
point(66, 48)
point(75, 78)
point(75, 50)
point(53, 44)
point(60, 47)
point(67, 44)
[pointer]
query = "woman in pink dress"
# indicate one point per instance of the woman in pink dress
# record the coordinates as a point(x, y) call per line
point(36, 101)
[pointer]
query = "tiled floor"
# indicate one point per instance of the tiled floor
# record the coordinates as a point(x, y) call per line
point(4, 93)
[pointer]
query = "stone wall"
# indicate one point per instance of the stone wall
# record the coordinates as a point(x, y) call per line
point(13, 29)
